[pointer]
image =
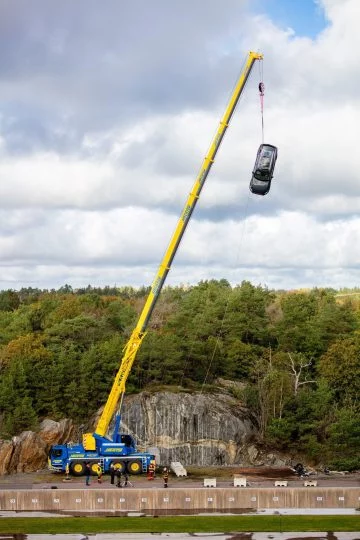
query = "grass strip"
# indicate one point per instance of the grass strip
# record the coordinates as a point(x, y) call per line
point(180, 524)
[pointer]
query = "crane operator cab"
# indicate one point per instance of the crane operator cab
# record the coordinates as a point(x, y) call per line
point(263, 169)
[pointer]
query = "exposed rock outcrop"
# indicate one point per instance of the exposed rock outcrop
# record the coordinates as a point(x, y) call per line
point(196, 429)
point(52, 432)
point(6, 452)
point(28, 451)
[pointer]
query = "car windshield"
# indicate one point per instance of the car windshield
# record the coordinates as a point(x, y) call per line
point(56, 452)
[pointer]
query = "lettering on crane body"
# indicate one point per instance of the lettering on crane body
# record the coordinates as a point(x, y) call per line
point(186, 213)
point(202, 176)
point(156, 286)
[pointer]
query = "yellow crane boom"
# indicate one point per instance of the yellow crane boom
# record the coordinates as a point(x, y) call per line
point(138, 334)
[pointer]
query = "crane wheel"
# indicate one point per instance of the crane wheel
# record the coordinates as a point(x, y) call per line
point(134, 467)
point(77, 468)
point(93, 468)
point(119, 465)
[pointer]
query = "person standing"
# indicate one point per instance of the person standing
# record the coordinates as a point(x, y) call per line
point(99, 472)
point(87, 473)
point(165, 477)
point(118, 477)
point(126, 479)
point(112, 473)
point(151, 470)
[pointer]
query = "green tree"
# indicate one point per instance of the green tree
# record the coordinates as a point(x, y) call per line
point(24, 416)
point(295, 331)
point(304, 423)
point(83, 330)
point(246, 316)
point(120, 316)
point(343, 439)
point(340, 366)
point(158, 361)
point(97, 369)
point(272, 388)
point(240, 358)
point(9, 300)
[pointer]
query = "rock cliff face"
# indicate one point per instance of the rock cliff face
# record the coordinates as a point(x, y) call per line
point(196, 429)
point(28, 451)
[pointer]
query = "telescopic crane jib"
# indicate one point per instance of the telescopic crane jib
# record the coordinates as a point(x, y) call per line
point(96, 445)
point(139, 331)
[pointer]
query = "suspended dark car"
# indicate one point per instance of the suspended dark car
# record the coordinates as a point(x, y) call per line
point(263, 169)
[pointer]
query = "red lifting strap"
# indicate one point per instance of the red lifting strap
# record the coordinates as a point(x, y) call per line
point(261, 91)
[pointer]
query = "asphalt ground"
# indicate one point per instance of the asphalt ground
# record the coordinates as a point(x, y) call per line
point(256, 478)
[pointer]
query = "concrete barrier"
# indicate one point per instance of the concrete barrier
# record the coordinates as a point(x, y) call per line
point(239, 481)
point(209, 482)
point(176, 500)
point(310, 483)
point(281, 483)
point(178, 468)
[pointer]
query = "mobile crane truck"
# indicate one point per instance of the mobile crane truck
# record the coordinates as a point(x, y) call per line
point(120, 448)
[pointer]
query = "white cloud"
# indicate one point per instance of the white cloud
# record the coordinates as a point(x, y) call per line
point(92, 194)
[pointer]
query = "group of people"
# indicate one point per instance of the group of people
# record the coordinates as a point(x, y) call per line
point(115, 473)
point(151, 473)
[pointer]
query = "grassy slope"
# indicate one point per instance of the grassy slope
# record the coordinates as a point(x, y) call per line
point(180, 524)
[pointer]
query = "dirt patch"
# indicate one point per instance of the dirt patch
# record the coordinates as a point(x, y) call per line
point(266, 473)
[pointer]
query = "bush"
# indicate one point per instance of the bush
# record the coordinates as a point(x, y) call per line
point(345, 464)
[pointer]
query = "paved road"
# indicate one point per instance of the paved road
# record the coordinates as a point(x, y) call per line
point(74, 483)
point(46, 481)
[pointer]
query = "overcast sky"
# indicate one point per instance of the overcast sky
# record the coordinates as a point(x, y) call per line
point(107, 110)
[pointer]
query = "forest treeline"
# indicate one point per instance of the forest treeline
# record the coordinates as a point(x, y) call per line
point(297, 355)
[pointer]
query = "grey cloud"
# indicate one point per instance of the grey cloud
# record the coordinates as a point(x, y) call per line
point(106, 84)
point(84, 66)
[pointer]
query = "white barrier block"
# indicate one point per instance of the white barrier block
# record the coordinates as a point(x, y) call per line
point(239, 481)
point(209, 482)
point(178, 469)
point(310, 483)
point(281, 483)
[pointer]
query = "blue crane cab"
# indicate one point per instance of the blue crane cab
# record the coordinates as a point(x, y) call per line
point(122, 454)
